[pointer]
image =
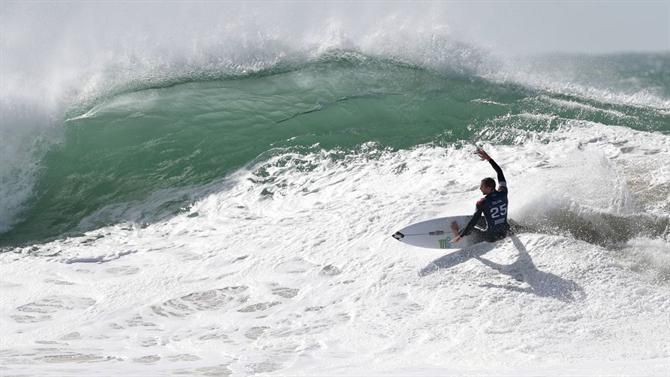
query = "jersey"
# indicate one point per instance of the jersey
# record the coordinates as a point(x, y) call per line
point(494, 208)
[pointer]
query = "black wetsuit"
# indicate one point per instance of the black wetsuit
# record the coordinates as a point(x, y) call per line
point(494, 208)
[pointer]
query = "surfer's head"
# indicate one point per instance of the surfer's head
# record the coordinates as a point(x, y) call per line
point(488, 185)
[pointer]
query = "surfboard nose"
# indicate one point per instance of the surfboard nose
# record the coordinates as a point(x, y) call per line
point(398, 236)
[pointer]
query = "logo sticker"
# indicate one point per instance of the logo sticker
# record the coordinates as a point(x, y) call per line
point(444, 244)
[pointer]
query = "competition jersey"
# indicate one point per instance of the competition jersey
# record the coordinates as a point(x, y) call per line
point(494, 208)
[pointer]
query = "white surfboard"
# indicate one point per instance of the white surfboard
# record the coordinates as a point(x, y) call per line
point(435, 233)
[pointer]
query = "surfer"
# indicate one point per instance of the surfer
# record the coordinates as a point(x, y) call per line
point(493, 206)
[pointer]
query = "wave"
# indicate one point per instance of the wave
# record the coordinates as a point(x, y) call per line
point(183, 132)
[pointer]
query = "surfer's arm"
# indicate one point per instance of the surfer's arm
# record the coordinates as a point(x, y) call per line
point(475, 218)
point(502, 183)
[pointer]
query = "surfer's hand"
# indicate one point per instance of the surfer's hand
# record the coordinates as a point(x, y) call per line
point(482, 154)
point(456, 239)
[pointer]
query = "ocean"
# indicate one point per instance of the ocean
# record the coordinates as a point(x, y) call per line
point(226, 209)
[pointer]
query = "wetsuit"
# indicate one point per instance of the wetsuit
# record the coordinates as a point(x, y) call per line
point(494, 208)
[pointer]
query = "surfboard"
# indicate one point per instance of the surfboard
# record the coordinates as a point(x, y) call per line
point(435, 233)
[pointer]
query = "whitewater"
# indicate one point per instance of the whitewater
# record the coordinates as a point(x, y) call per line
point(219, 200)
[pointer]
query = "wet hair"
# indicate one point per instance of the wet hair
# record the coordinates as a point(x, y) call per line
point(489, 182)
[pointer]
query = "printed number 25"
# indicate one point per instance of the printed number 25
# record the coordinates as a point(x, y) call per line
point(501, 210)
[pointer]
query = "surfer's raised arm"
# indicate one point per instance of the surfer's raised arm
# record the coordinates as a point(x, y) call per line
point(502, 183)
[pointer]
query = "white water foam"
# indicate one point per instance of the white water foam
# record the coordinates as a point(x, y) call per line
point(584, 107)
point(287, 268)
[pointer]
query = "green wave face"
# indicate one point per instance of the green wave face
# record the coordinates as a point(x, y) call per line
point(189, 134)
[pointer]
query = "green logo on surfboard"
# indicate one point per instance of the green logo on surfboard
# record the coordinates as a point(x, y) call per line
point(444, 244)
